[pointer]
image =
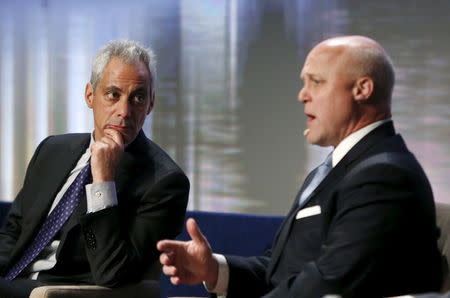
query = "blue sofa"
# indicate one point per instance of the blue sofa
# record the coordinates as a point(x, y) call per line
point(228, 233)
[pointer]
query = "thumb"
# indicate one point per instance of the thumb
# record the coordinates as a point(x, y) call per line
point(194, 231)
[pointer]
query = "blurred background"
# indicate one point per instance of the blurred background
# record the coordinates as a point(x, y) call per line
point(228, 70)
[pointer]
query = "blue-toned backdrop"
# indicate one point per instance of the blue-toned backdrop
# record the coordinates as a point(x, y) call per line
point(228, 71)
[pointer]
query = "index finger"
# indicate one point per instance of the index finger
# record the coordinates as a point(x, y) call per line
point(114, 135)
point(169, 245)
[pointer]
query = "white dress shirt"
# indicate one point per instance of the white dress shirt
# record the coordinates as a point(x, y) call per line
point(339, 152)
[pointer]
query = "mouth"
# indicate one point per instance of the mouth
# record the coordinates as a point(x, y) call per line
point(119, 128)
point(309, 118)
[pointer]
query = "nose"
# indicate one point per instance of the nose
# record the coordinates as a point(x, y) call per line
point(303, 95)
point(123, 108)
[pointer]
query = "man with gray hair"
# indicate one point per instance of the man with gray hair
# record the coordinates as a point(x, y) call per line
point(93, 206)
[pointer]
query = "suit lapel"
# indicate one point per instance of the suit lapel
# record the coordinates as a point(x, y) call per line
point(123, 168)
point(288, 222)
point(56, 167)
point(332, 176)
point(281, 237)
point(337, 173)
point(354, 154)
point(285, 226)
point(130, 162)
point(59, 168)
point(122, 172)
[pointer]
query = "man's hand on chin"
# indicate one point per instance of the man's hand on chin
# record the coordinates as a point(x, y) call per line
point(106, 154)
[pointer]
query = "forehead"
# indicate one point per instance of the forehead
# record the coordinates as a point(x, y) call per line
point(322, 60)
point(120, 71)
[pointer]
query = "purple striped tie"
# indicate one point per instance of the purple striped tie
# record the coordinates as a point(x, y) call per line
point(54, 221)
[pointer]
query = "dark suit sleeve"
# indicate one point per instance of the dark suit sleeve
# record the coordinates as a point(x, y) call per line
point(117, 247)
point(12, 226)
point(250, 271)
point(369, 228)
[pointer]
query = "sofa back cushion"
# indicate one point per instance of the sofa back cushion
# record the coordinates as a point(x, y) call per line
point(228, 233)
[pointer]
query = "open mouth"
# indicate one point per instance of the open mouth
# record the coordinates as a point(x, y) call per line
point(310, 118)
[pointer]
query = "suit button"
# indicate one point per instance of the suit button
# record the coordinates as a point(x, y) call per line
point(89, 236)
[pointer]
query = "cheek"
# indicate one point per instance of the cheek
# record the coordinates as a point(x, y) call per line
point(326, 108)
point(102, 115)
point(139, 117)
point(329, 113)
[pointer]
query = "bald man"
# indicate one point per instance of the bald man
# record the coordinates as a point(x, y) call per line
point(363, 224)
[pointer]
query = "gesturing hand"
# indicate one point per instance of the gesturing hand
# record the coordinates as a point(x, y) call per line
point(189, 262)
point(106, 154)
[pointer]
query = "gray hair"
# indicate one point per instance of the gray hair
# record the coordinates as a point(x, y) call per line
point(130, 52)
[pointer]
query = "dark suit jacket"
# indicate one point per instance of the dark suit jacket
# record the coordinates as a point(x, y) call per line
point(376, 234)
point(111, 246)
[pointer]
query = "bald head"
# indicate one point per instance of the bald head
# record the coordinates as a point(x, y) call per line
point(352, 41)
point(348, 83)
point(363, 56)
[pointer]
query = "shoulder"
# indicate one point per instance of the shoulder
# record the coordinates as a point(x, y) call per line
point(390, 159)
point(386, 176)
point(66, 140)
point(62, 143)
point(148, 152)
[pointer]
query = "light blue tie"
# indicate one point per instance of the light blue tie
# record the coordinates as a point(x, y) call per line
point(321, 172)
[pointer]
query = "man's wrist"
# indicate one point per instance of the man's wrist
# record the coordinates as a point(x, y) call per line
point(101, 177)
point(212, 276)
point(220, 284)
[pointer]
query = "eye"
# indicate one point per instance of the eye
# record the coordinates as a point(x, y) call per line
point(138, 98)
point(316, 81)
point(112, 95)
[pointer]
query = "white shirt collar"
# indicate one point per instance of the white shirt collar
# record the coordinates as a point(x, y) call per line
point(84, 159)
point(346, 144)
point(92, 141)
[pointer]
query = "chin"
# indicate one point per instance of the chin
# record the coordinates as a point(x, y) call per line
point(312, 141)
point(316, 141)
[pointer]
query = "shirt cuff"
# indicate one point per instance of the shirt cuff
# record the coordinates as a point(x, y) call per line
point(100, 196)
point(223, 277)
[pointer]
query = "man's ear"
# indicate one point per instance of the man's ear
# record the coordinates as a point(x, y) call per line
point(89, 95)
point(363, 89)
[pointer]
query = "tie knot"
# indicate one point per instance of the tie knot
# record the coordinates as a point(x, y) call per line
point(329, 160)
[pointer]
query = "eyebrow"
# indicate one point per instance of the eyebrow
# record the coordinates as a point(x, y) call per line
point(140, 89)
point(113, 88)
point(311, 76)
point(303, 75)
